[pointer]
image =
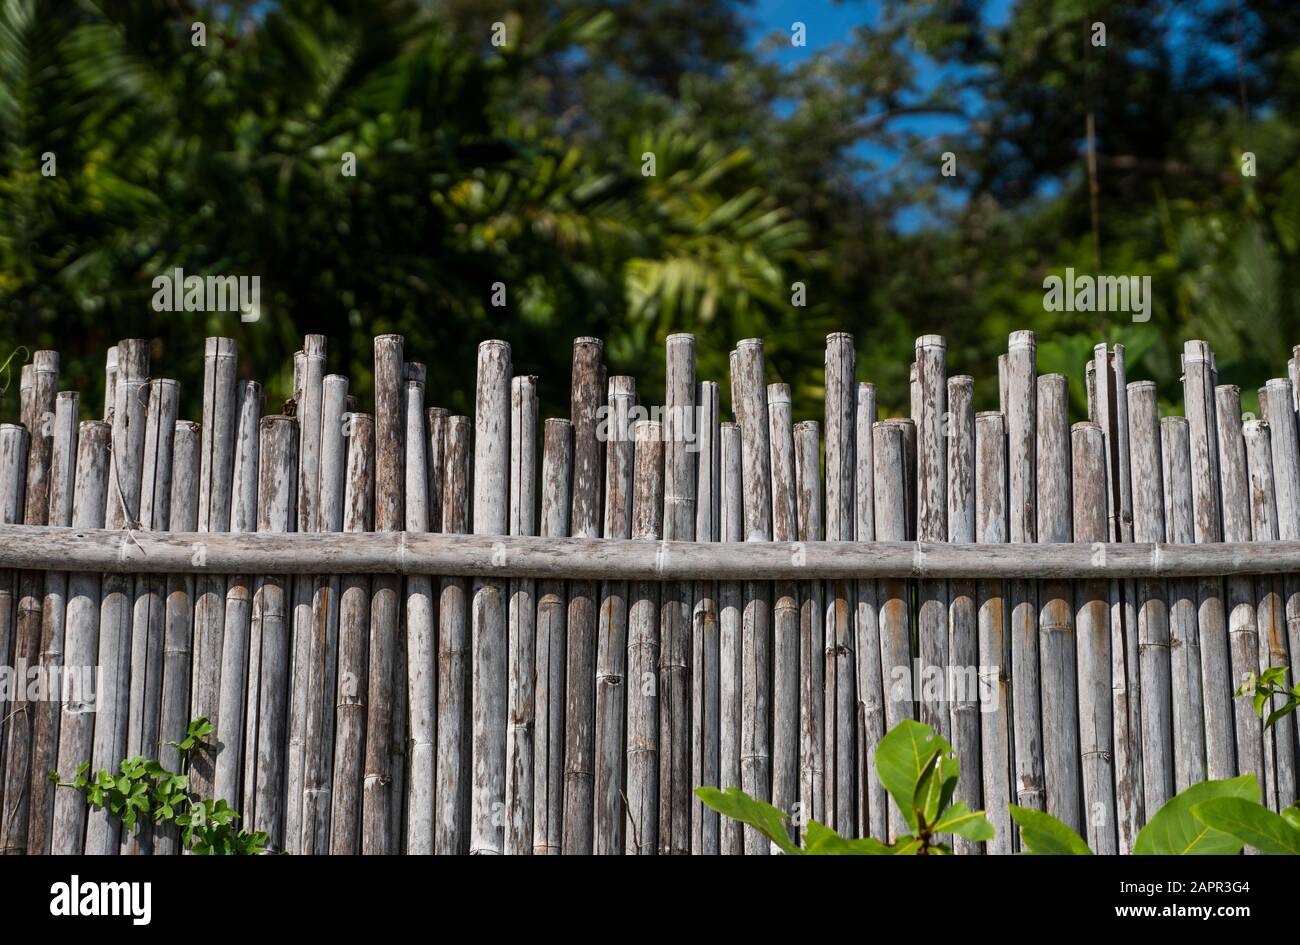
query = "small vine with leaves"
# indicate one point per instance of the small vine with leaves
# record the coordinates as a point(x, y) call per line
point(144, 791)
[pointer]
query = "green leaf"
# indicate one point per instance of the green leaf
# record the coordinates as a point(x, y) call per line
point(823, 841)
point(1250, 822)
point(1175, 830)
point(1043, 834)
point(1292, 816)
point(935, 790)
point(902, 758)
point(964, 822)
point(760, 815)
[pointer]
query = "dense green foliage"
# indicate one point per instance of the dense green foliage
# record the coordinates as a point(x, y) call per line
point(521, 164)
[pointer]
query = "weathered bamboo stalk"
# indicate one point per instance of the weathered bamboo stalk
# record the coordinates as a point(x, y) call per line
point(840, 698)
point(641, 833)
point(1184, 650)
point(451, 801)
point(611, 642)
point(731, 520)
point(749, 402)
point(873, 803)
point(77, 719)
point(1061, 720)
point(1155, 693)
point(216, 486)
point(523, 622)
point(116, 590)
point(785, 611)
point(889, 448)
point(237, 636)
point(323, 652)
point(14, 441)
point(1022, 520)
point(963, 618)
point(587, 388)
point(354, 645)
point(1270, 614)
point(812, 647)
point(20, 714)
point(1094, 708)
point(676, 604)
point(178, 619)
point(277, 450)
point(377, 787)
point(1216, 676)
point(45, 731)
point(552, 610)
point(994, 645)
point(420, 679)
point(705, 652)
point(932, 525)
point(1243, 636)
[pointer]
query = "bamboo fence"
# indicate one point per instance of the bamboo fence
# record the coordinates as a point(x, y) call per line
point(415, 632)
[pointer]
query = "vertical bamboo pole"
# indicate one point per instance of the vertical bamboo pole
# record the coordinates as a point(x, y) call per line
point(675, 797)
point(611, 643)
point(1095, 719)
point(586, 390)
point(178, 616)
point(523, 622)
point(1243, 636)
point(236, 639)
point(1112, 407)
point(890, 457)
point(323, 651)
point(1270, 614)
point(147, 627)
point(706, 654)
point(77, 719)
point(749, 401)
point(1155, 693)
point(216, 486)
point(377, 798)
point(102, 830)
point(963, 617)
point(641, 834)
point(421, 674)
point(354, 652)
point(110, 383)
point(1061, 720)
point(812, 645)
point(1184, 649)
point(451, 801)
point(785, 611)
point(873, 804)
point(20, 717)
point(932, 525)
point(840, 697)
point(1216, 677)
point(489, 612)
point(277, 452)
point(995, 700)
point(14, 441)
point(548, 741)
point(1276, 397)
point(730, 656)
point(1023, 521)
point(45, 733)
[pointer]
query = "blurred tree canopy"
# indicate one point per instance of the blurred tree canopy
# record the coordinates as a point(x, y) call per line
point(522, 164)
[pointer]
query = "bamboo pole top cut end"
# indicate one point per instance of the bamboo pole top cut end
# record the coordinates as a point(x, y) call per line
point(13, 428)
point(962, 382)
point(748, 343)
point(273, 420)
point(213, 346)
point(680, 338)
point(1228, 391)
point(583, 341)
point(839, 338)
point(1086, 426)
point(1020, 339)
point(168, 384)
point(647, 431)
point(620, 385)
point(46, 362)
point(313, 346)
point(778, 394)
point(731, 426)
point(91, 427)
point(867, 388)
point(931, 341)
point(68, 396)
point(1179, 423)
point(805, 427)
point(1255, 427)
point(901, 422)
point(1196, 352)
point(1141, 387)
point(553, 423)
point(1278, 384)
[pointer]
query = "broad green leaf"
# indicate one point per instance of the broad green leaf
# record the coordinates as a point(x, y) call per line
point(1043, 834)
point(1175, 830)
point(902, 757)
point(762, 816)
point(964, 822)
point(934, 792)
point(1292, 816)
point(1250, 822)
point(823, 841)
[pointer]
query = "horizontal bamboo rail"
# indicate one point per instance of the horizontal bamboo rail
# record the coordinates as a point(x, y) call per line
point(512, 556)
